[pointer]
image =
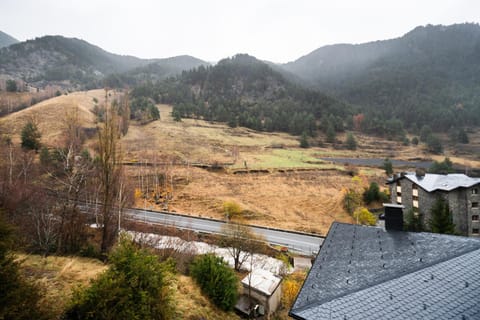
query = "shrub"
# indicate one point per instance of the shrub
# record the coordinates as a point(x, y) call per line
point(444, 167)
point(351, 200)
point(373, 194)
point(134, 287)
point(231, 209)
point(290, 287)
point(216, 280)
point(20, 299)
point(365, 217)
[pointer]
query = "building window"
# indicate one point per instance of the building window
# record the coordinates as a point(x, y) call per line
point(475, 231)
point(475, 217)
point(474, 191)
point(415, 191)
point(415, 195)
point(474, 204)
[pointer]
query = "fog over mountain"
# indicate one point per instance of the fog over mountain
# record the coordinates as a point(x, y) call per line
point(431, 70)
point(6, 40)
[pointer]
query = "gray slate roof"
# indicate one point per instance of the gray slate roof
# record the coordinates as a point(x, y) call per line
point(445, 182)
point(369, 273)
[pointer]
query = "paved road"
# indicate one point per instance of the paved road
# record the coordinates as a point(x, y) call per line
point(304, 243)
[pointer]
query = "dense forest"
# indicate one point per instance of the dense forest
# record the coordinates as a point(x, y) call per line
point(244, 91)
point(430, 76)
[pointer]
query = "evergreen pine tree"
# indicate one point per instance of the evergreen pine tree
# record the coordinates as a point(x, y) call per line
point(441, 221)
point(331, 134)
point(31, 136)
point(388, 166)
point(304, 140)
point(351, 141)
point(413, 221)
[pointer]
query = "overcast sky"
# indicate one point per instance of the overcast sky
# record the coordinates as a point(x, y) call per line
point(275, 30)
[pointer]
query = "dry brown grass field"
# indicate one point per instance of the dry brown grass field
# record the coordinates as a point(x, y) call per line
point(276, 183)
point(50, 115)
point(59, 276)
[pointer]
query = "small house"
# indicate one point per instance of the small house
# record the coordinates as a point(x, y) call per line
point(261, 293)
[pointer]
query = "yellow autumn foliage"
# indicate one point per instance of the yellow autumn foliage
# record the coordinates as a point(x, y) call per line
point(231, 209)
point(138, 193)
point(290, 288)
point(365, 217)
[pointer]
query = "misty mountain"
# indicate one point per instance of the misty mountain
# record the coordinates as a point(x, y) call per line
point(76, 63)
point(6, 40)
point(245, 91)
point(430, 76)
point(157, 70)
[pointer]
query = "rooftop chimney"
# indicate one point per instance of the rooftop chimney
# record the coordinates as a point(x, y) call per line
point(420, 173)
point(393, 217)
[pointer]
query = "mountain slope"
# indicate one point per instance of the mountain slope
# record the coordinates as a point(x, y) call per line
point(6, 40)
point(72, 62)
point(159, 69)
point(247, 92)
point(431, 75)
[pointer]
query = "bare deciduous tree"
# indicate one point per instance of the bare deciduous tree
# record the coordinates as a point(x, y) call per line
point(240, 241)
point(109, 175)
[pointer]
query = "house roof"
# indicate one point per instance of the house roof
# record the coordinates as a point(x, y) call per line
point(445, 182)
point(369, 273)
point(263, 281)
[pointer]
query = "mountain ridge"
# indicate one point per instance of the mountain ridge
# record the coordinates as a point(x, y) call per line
point(73, 62)
point(6, 39)
point(429, 70)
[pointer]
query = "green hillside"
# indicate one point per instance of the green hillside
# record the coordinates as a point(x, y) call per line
point(430, 76)
point(244, 91)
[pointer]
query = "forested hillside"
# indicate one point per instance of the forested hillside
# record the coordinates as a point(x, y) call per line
point(430, 76)
point(247, 92)
point(157, 70)
point(75, 63)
